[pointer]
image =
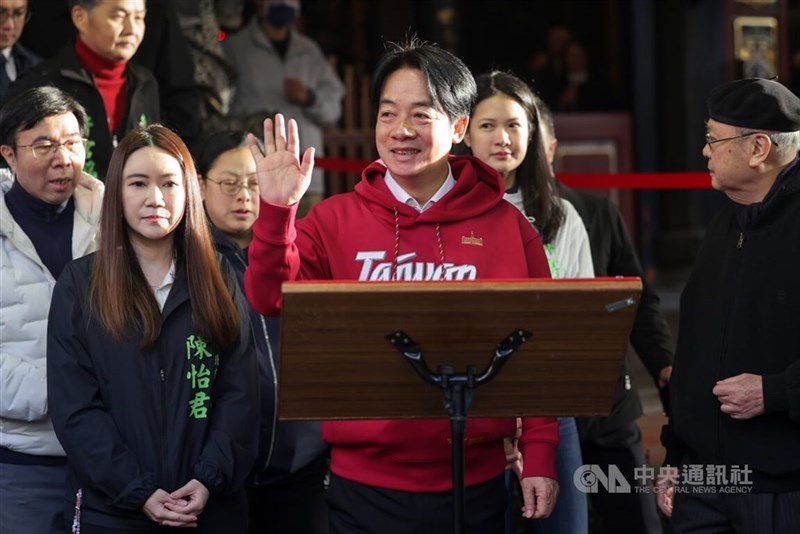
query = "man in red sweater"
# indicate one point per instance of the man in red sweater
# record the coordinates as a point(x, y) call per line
point(406, 220)
point(96, 71)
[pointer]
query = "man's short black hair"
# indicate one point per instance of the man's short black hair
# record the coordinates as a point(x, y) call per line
point(88, 5)
point(85, 4)
point(27, 109)
point(450, 83)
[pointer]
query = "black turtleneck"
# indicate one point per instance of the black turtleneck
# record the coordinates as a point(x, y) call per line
point(748, 215)
point(48, 226)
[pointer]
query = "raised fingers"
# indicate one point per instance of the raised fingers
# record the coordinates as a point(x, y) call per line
point(293, 142)
point(280, 132)
point(269, 139)
point(254, 149)
point(307, 165)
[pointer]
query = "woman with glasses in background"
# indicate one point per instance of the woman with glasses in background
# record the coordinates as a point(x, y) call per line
point(229, 188)
point(286, 491)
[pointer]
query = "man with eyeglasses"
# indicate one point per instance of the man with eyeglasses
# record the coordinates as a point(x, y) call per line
point(49, 214)
point(734, 421)
point(14, 58)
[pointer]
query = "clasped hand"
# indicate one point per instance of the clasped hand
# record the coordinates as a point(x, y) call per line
point(180, 508)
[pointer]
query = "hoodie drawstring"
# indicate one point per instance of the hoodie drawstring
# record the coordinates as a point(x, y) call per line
point(441, 247)
point(397, 243)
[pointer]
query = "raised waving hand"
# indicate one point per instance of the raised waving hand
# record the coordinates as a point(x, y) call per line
point(283, 177)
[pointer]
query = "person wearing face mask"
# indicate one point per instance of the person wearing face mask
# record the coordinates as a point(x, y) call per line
point(281, 69)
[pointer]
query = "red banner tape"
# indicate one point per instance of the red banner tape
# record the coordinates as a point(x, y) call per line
point(631, 180)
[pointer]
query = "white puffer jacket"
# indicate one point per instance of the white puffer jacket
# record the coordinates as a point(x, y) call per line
point(26, 287)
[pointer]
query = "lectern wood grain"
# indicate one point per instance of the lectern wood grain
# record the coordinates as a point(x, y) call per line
point(337, 364)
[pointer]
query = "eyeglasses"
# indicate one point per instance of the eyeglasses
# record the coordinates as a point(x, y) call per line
point(45, 149)
point(18, 15)
point(710, 140)
point(232, 187)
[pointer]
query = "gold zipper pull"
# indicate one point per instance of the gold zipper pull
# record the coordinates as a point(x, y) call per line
point(741, 240)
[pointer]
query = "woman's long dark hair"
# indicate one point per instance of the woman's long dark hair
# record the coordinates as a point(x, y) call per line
point(119, 295)
point(534, 177)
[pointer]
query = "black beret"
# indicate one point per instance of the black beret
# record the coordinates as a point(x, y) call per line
point(755, 103)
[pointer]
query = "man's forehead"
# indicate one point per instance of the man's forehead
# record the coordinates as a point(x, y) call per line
point(63, 123)
point(715, 125)
point(13, 4)
point(131, 6)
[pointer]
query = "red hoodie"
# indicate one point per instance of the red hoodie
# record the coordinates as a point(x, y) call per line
point(470, 233)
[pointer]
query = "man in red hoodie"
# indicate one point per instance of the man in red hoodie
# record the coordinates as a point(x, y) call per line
point(406, 220)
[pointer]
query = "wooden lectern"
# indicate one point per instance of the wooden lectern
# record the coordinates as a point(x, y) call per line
point(337, 361)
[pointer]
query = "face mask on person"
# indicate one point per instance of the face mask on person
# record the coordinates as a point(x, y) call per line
point(280, 14)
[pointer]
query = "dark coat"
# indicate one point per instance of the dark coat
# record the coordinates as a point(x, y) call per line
point(24, 60)
point(613, 254)
point(134, 420)
point(66, 72)
point(286, 447)
point(740, 312)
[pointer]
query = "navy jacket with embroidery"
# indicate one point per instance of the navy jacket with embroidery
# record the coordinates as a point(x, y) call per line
point(132, 421)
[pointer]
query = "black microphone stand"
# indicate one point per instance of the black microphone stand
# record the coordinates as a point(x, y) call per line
point(458, 389)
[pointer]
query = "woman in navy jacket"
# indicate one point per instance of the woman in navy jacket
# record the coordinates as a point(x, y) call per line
point(286, 492)
point(151, 360)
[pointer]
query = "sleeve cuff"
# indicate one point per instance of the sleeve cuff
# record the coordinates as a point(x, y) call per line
point(275, 224)
point(539, 460)
point(538, 444)
point(210, 478)
point(657, 363)
point(674, 451)
point(774, 388)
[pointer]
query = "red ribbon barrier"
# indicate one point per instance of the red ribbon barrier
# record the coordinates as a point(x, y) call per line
point(638, 180)
point(340, 164)
point(629, 180)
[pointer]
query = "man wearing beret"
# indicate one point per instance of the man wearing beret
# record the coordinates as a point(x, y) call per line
point(733, 437)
